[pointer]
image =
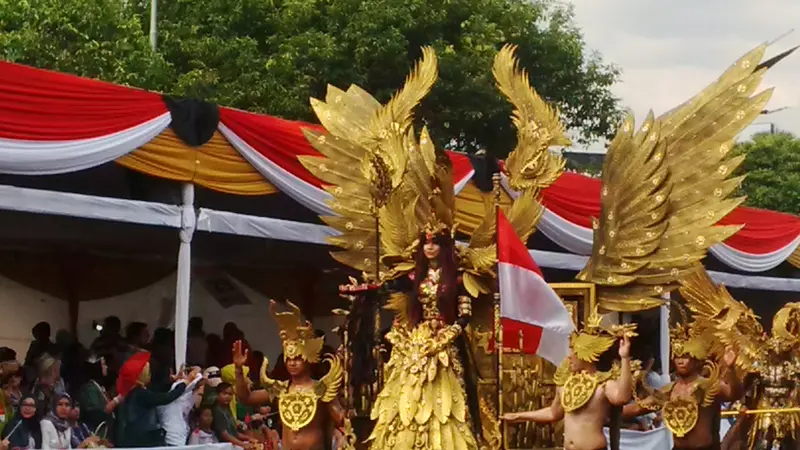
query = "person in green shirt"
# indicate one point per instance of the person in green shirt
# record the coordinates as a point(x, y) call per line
point(225, 424)
point(96, 407)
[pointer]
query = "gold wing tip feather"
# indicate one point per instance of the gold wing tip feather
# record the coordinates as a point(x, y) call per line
point(332, 380)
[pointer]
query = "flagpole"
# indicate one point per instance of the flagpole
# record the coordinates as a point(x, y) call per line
point(498, 324)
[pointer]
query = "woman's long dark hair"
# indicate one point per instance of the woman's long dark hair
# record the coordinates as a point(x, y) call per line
point(448, 281)
point(447, 302)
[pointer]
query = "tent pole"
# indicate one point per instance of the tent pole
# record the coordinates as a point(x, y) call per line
point(153, 24)
point(664, 349)
point(184, 282)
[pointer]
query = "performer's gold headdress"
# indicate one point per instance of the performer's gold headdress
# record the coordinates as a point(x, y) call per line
point(594, 339)
point(688, 340)
point(297, 335)
point(786, 328)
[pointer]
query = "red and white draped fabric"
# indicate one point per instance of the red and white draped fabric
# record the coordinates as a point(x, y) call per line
point(531, 312)
point(272, 146)
point(57, 123)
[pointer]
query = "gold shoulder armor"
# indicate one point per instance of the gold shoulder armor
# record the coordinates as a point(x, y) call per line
point(709, 387)
point(562, 373)
point(274, 388)
point(327, 388)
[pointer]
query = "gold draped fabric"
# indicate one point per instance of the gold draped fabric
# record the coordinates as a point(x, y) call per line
point(215, 165)
point(471, 204)
point(795, 258)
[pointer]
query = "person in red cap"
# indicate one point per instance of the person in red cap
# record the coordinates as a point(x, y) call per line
point(138, 421)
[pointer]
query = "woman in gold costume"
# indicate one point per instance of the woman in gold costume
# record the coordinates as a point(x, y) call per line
point(423, 403)
point(393, 196)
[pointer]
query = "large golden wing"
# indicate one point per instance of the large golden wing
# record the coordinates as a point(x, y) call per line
point(733, 323)
point(530, 167)
point(365, 148)
point(531, 164)
point(666, 186)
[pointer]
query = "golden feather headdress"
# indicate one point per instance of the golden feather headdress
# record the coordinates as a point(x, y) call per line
point(298, 337)
point(594, 339)
point(390, 187)
point(687, 340)
point(786, 328)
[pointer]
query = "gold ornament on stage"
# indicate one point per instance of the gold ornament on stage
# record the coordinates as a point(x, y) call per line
point(772, 359)
point(297, 335)
point(420, 199)
point(690, 338)
point(681, 412)
point(577, 388)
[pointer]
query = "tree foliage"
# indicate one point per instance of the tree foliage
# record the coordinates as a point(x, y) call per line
point(91, 38)
point(772, 165)
point(270, 56)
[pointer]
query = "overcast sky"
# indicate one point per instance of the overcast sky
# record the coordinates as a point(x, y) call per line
point(669, 50)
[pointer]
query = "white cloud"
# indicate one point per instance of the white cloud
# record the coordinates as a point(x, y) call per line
point(668, 51)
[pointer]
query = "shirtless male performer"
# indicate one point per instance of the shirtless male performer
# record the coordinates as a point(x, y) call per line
point(584, 396)
point(307, 407)
point(690, 405)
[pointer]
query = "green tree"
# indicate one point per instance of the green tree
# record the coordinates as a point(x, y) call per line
point(91, 38)
point(772, 165)
point(270, 56)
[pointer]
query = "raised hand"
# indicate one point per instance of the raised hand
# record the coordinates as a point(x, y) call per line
point(239, 355)
point(192, 374)
point(625, 347)
point(730, 356)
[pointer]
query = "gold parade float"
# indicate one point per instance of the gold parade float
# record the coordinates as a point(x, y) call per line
point(665, 186)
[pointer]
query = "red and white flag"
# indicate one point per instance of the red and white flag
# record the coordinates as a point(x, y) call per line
point(527, 302)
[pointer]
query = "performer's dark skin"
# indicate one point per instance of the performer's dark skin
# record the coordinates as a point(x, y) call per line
point(688, 371)
point(583, 428)
point(313, 436)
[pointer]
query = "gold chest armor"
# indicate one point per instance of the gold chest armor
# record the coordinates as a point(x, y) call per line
point(298, 408)
point(579, 388)
point(680, 415)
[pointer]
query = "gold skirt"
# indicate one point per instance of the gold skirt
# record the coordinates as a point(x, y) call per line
point(423, 403)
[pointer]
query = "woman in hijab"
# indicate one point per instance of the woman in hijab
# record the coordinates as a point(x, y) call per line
point(56, 429)
point(24, 431)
